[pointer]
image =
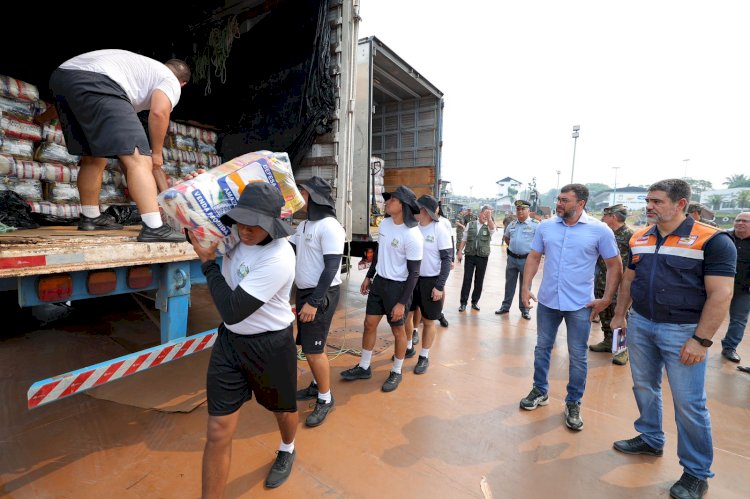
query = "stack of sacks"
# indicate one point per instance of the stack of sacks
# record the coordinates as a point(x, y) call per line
point(199, 203)
point(187, 148)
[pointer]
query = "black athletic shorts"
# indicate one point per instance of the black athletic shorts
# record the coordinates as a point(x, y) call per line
point(264, 364)
point(422, 298)
point(96, 116)
point(384, 295)
point(313, 335)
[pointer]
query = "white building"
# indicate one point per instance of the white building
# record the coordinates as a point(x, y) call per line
point(634, 199)
point(728, 198)
point(504, 186)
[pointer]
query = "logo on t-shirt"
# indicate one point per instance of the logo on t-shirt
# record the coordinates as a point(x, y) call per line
point(395, 243)
point(243, 270)
point(429, 239)
point(688, 241)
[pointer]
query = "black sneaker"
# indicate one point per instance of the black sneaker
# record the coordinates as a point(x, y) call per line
point(309, 393)
point(636, 446)
point(319, 414)
point(102, 222)
point(534, 399)
point(163, 234)
point(281, 468)
point(443, 321)
point(394, 379)
point(573, 416)
point(422, 364)
point(414, 337)
point(689, 487)
point(501, 311)
point(356, 372)
point(410, 352)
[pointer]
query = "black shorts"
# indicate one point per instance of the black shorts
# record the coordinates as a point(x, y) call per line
point(96, 116)
point(422, 298)
point(313, 335)
point(384, 295)
point(264, 364)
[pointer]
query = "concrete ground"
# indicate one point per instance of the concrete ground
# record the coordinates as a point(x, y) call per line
point(456, 431)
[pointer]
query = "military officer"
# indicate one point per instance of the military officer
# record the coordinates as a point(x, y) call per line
point(518, 236)
point(614, 216)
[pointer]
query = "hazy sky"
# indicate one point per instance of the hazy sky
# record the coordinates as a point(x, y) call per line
point(650, 82)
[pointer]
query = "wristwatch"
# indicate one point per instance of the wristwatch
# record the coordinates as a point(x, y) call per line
point(703, 341)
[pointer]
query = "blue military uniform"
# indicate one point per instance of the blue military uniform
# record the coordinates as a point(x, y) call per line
point(520, 234)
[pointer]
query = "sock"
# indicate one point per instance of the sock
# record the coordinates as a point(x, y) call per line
point(397, 365)
point(364, 362)
point(315, 383)
point(286, 447)
point(152, 220)
point(325, 397)
point(425, 353)
point(409, 345)
point(90, 211)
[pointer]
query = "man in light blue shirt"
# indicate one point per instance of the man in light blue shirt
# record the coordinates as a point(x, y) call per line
point(570, 243)
point(519, 234)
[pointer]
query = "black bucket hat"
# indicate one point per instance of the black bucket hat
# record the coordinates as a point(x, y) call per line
point(408, 201)
point(320, 191)
point(260, 205)
point(430, 204)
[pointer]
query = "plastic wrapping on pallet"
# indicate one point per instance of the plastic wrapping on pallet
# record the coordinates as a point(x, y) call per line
point(49, 152)
point(17, 89)
point(199, 203)
point(19, 128)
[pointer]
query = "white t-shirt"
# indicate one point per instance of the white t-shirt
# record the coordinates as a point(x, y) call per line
point(447, 224)
point(396, 245)
point(436, 238)
point(267, 273)
point(314, 239)
point(137, 74)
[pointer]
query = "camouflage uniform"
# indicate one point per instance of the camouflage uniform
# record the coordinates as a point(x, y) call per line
point(622, 236)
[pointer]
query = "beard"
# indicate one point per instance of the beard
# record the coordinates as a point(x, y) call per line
point(566, 215)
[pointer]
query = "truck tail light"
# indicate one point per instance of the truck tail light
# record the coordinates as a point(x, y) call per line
point(139, 277)
point(55, 288)
point(101, 282)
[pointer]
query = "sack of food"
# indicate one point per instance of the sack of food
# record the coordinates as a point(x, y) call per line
point(199, 203)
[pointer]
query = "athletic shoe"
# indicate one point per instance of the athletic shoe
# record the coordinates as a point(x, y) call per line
point(281, 468)
point(102, 222)
point(534, 399)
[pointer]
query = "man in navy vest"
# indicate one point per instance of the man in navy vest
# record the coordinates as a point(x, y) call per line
point(679, 281)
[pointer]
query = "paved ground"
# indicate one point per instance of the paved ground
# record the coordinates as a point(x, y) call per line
point(438, 435)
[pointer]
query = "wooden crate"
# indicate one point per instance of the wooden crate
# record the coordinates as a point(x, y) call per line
point(420, 179)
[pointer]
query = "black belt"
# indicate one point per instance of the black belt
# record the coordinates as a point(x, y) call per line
point(517, 256)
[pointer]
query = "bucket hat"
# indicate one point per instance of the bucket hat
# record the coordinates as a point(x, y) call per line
point(260, 205)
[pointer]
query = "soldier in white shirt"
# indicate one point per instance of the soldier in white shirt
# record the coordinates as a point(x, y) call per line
point(319, 245)
point(397, 264)
point(254, 352)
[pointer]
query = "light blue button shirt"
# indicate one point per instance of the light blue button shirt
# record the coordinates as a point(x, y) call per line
point(570, 254)
point(521, 234)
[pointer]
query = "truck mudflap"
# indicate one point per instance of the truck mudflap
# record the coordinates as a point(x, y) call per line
point(65, 385)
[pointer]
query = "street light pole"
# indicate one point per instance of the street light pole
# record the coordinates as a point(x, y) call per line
point(576, 128)
point(558, 179)
point(614, 197)
point(685, 162)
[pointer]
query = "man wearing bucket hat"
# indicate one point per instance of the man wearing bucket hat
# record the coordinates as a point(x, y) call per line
point(254, 353)
point(428, 295)
point(389, 293)
point(319, 245)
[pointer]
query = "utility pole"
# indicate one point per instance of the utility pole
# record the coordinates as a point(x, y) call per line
point(576, 128)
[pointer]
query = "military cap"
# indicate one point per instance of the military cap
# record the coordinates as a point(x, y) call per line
point(695, 207)
point(522, 202)
point(616, 208)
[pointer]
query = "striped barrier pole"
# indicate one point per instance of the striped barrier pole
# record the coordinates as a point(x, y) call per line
point(58, 387)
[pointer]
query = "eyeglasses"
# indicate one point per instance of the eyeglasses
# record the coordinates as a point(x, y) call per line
point(565, 200)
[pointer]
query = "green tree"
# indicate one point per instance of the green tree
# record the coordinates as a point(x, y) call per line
point(596, 188)
point(715, 202)
point(743, 199)
point(737, 180)
point(697, 186)
point(548, 198)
